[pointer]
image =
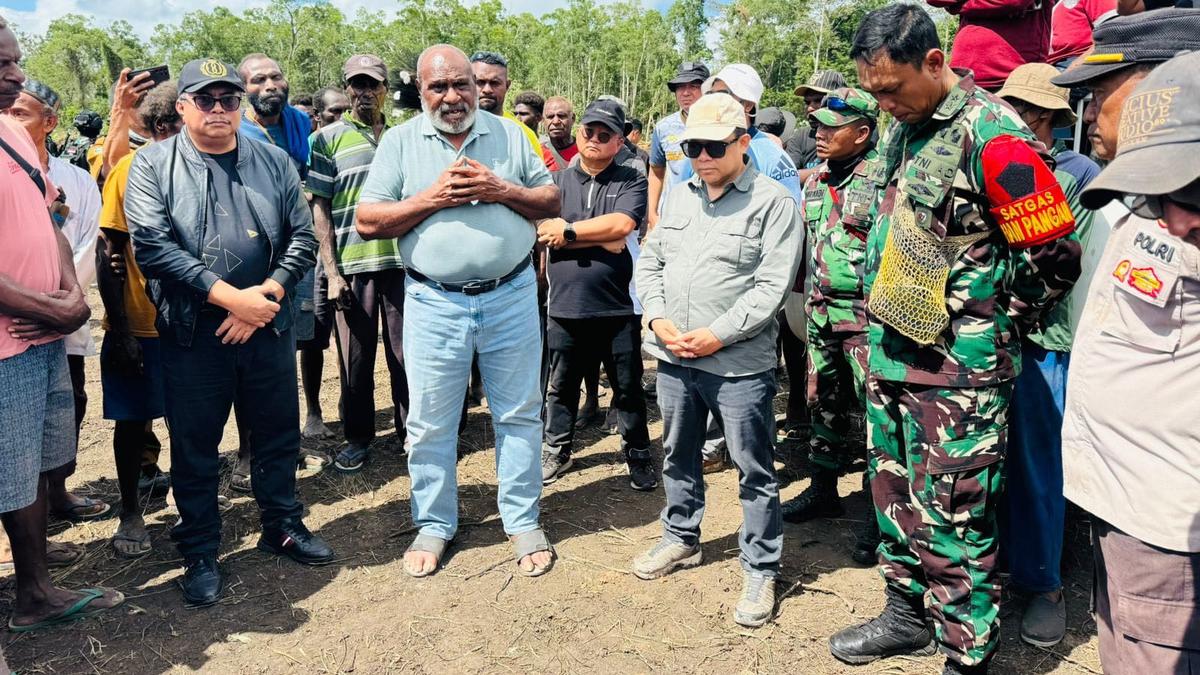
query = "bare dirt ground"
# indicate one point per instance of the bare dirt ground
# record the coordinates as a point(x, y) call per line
point(362, 614)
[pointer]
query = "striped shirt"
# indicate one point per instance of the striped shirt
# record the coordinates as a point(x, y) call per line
point(341, 157)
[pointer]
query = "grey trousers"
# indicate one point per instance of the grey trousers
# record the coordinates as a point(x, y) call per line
point(1147, 603)
point(742, 407)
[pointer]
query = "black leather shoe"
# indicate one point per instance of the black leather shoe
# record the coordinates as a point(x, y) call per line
point(201, 582)
point(900, 629)
point(292, 538)
point(819, 500)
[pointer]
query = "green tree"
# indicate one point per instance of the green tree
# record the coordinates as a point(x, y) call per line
point(76, 59)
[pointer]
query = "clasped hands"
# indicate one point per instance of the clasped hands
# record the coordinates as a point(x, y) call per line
point(467, 181)
point(693, 344)
point(251, 310)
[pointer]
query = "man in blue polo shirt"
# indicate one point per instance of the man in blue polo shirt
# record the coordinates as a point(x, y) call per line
point(667, 163)
point(459, 187)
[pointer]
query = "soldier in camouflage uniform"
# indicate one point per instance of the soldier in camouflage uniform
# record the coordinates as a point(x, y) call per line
point(973, 240)
point(838, 201)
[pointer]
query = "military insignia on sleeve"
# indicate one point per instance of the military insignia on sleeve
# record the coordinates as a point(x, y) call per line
point(1027, 200)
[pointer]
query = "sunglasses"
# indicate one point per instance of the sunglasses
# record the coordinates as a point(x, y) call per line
point(1154, 207)
point(598, 135)
point(715, 149)
point(205, 103)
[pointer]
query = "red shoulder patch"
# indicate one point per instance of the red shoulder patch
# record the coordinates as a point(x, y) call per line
point(1027, 200)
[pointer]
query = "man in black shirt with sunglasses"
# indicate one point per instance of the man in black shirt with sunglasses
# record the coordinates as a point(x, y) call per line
point(593, 315)
point(223, 234)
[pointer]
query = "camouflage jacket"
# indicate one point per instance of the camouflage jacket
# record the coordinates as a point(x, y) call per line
point(1022, 253)
point(838, 218)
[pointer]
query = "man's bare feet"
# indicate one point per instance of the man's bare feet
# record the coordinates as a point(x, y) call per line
point(314, 427)
point(535, 560)
point(53, 607)
point(420, 563)
point(131, 540)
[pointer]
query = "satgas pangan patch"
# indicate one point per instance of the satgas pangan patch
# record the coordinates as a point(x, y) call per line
point(1036, 219)
point(1027, 200)
point(1144, 115)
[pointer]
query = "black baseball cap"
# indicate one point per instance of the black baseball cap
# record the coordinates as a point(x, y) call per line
point(201, 73)
point(1158, 146)
point(607, 112)
point(1123, 41)
point(689, 72)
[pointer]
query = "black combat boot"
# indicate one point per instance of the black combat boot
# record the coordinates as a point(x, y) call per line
point(866, 544)
point(900, 629)
point(819, 500)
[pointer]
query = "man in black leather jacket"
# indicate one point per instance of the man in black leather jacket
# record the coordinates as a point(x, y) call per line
point(222, 233)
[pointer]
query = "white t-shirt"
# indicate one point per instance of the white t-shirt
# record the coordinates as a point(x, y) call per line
point(81, 230)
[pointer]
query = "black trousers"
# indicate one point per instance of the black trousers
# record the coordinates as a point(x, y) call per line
point(78, 389)
point(376, 295)
point(202, 382)
point(795, 360)
point(576, 347)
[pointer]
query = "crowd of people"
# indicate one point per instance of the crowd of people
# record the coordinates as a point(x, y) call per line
point(929, 251)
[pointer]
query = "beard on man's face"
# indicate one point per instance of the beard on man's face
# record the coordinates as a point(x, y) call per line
point(268, 105)
point(461, 117)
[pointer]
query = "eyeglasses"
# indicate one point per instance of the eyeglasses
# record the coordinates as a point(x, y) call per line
point(205, 103)
point(715, 149)
point(1154, 207)
point(598, 135)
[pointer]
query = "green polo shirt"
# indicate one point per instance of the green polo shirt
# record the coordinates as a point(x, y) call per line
point(341, 157)
point(468, 242)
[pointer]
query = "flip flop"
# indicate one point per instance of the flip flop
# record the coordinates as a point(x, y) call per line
point(143, 543)
point(427, 543)
point(52, 563)
point(528, 543)
point(74, 612)
point(71, 553)
point(76, 513)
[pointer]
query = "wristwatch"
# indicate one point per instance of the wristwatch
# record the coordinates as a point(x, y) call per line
point(569, 232)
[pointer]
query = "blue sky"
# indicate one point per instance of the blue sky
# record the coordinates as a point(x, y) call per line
point(32, 16)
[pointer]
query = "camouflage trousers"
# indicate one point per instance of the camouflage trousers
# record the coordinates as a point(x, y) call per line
point(837, 368)
point(936, 465)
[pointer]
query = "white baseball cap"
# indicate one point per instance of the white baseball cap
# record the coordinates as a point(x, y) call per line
point(742, 81)
point(713, 118)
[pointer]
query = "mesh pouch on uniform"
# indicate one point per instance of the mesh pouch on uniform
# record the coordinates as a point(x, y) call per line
point(909, 293)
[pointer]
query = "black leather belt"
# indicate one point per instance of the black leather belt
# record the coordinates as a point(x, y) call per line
point(471, 287)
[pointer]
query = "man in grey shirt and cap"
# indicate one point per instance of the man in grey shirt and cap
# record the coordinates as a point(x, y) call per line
point(711, 279)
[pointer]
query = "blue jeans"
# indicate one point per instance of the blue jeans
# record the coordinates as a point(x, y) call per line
point(1031, 532)
point(742, 408)
point(443, 331)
